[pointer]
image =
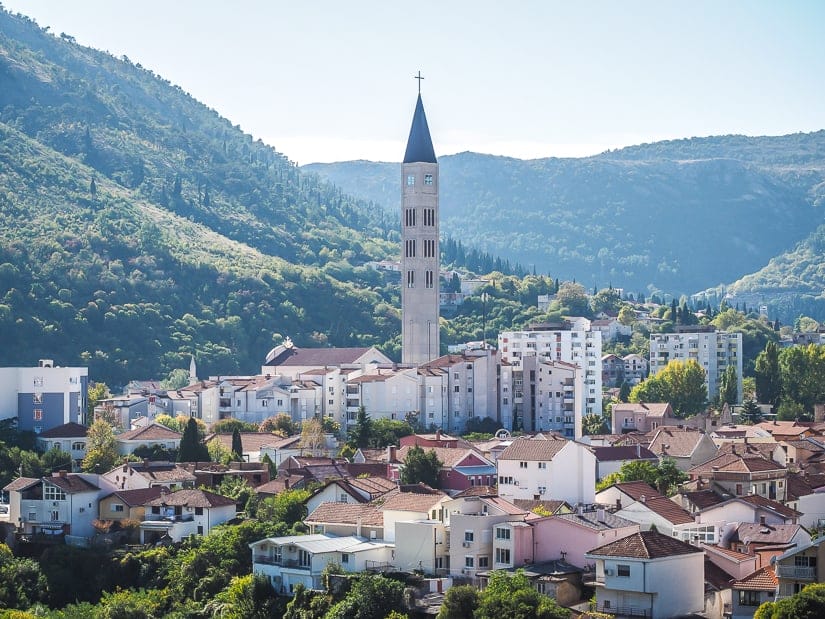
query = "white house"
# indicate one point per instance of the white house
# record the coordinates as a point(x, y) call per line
point(288, 561)
point(183, 513)
point(70, 437)
point(66, 503)
point(649, 574)
point(137, 475)
point(545, 467)
point(151, 435)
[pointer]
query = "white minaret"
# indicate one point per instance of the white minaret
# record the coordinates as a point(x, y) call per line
point(420, 337)
point(193, 372)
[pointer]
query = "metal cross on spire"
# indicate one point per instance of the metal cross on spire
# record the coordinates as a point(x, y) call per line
point(419, 78)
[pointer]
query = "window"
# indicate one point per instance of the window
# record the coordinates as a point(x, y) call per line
point(484, 562)
point(78, 446)
point(429, 217)
point(468, 536)
point(468, 562)
point(505, 401)
point(331, 402)
point(428, 279)
point(410, 180)
point(428, 179)
point(37, 414)
point(623, 570)
point(304, 558)
point(429, 248)
point(502, 533)
point(542, 465)
point(200, 529)
point(409, 248)
point(457, 389)
point(37, 398)
point(503, 556)
point(199, 511)
point(344, 557)
point(38, 381)
point(54, 515)
point(505, 480)
point(409, 217)
point(522, 465)
point(410, 279)
point(750, 598)
point(56, 445)
point(116, 507)
point(53, 493)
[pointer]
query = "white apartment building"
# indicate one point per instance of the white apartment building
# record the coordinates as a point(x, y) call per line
point(715, 351)
point(556, 342)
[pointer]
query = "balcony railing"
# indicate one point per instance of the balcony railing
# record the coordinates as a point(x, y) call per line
point(796, 572)
point(265, 560)
point(623, 611)
point(173, 518)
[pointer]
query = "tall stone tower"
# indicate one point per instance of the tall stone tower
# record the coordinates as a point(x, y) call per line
point(420, 338)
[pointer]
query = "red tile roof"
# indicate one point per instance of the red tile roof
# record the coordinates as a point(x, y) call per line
point(645, 545)
point(21, 483)
point(152, 432)
point(731, 463)
point(71, 483)
point(763, 579)
point(136, 498)
point(346, 513)
point(67, 430)
point(676, 442)
point(766, 533)
point(191, 498)
point(533, 449)
point(416, 498)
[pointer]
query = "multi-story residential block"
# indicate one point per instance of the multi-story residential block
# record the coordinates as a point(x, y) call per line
point(750, 592)
point(799, 566)
point(612, 370)
point(43, 397)
point(557, 342)
point(384, 394)
point(547, 468)
point(636, 368)
point(741, 475)
point(714, 351)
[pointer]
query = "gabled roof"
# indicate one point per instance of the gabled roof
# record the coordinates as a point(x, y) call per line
point(763, 579)
point(346, 513)
point(152, 432)
point(703, 499)
point(651, 409)
point(749, 533)
point(414, 498)
point(553, 506)
point(374, 486)
point(645, 545)
point(730, 463)
point(320, 543)
point(191, 498)
point(448, 456)
point(253, 441)
point(715, 576)
point(419, 143)
point(676, 442)
point(508, 507)
point(156, 471)
point(784, 428)
point(624, 452)
point(136, 498)
point(21, 483)
point(71, 483)
point(667, 509)
point(591, 520)
point(728, 553)
point(636, 489)
point(533, 449)
point(67, 430)
point(323, 356)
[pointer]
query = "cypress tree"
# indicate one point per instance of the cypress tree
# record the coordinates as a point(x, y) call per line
point(237, 446)
point(192, 448)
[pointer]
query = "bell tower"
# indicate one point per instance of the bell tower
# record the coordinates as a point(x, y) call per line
point(420, 337)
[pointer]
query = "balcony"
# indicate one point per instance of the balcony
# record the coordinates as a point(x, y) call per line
point(279, 562)
point(623, 611)
point(170, 518)
point(795, 572)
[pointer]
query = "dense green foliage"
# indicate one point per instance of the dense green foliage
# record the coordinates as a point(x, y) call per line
point(807, 604)
point(682, 383)
point(664, 476)
point(421, 466)
point(513, 596)
point(590, 218)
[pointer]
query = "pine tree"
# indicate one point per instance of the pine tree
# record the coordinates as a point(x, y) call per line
point(361, 432)
point(93, 187)
point(192, 448)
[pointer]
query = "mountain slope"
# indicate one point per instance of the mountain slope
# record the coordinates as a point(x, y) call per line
point(678, 216)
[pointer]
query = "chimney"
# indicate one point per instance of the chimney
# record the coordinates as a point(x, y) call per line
point(438, 434)
point(638, 450)
point(600, 514)
point(146, 463)
point(63, 473)
point(643, 499)
point(580, 509)
point(286, 483)
point(391, 454)
point(618, 504)
point(762, 520)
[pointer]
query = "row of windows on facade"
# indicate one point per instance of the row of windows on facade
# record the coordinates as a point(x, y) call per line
point(429, 279)
point(410, 248)
point(410, 218)
point(428, 180)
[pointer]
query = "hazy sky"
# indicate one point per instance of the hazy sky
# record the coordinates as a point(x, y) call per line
point(333, 80)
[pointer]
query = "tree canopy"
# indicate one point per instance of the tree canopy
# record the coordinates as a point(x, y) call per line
point(681, 383)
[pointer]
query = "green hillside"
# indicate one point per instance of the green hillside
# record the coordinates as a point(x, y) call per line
point(677, 216)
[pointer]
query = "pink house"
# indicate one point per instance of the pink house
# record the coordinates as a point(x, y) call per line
point(564, 536)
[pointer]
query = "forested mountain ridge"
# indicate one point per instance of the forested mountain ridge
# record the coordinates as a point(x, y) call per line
point(679, 216)
point(138, 226)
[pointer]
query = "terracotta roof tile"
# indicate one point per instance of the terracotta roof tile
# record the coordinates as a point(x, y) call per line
point(728, 552)
point(763, 579)
point(623, 452)
point(21, 483)
point(253, 441)
point(645, 545)
point(766, 533)
point(735, 464)
point(636, 489)
point(448, 456)
point(551, 505)
point(417, 498)
point(71, 483)
point(651, 409)
point(703, 499)
point(136, 498)
point(67, 430)
point(158, 471)
point(191, 498)
point(152, 432)
point(346, 513)
point(676, 442)
point(669, 510)
point(533, 449)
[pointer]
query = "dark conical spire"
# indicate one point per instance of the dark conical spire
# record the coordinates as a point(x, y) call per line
point(419, 144)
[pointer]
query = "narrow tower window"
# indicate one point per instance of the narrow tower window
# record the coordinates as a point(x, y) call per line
point(428, 279)
point(429, 216)
point(411, 249)
point(409, 217)
point(410, 279)
point(410, 180)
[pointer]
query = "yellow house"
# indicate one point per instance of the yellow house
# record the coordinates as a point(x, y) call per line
point(128, 504)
